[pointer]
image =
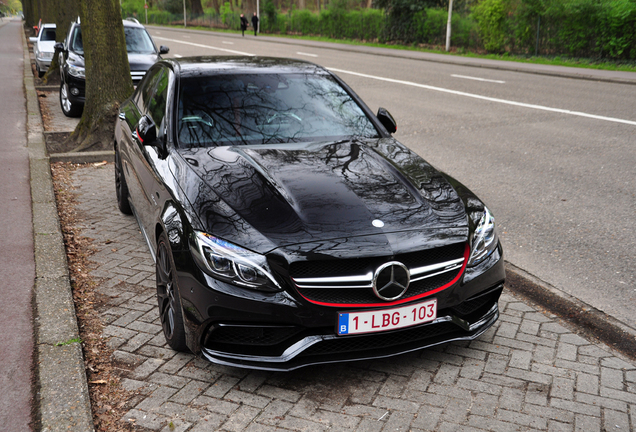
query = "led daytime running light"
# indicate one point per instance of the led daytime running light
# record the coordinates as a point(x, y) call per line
point(484, 239)
point(241, 267)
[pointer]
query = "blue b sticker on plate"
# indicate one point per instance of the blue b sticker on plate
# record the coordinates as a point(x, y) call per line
point(343, 323)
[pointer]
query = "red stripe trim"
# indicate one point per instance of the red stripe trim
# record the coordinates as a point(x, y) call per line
point(139, 136)
point(401, 301)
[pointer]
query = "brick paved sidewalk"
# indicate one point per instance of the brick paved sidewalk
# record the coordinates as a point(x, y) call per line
point(529, 372)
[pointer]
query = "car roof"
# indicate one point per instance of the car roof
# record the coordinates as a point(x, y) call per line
point(48, 25)
point(222, 65)
point(132, 22)
point(128, 22)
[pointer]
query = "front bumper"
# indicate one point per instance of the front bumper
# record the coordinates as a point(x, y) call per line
point(77, 86)
point(76, 89)
point(282, 331)
point(43, 63)
point(330, 348)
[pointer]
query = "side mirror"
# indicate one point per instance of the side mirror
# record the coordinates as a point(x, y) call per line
point(164, 49)
point(147, 134)
point(59, 46)
point(387, 120)
point(146, 131)
point(33, 39)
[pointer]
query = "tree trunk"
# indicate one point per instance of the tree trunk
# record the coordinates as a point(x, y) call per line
point(67, 11)
point(108, 81)
point(30, 9)
point(196, 8)
point(47, 11)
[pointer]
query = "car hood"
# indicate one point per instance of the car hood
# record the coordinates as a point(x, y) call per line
point(321, 196)
point(142, 62)
point(46, 46)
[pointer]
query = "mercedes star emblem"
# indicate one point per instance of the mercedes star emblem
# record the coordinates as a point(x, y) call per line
point(391, 280)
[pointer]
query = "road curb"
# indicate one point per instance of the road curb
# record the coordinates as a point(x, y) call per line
point(62, 398)
point(589, 320)
point(83, 157)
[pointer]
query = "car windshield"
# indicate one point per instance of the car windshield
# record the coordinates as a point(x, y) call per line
point(137, 41)
point(267, 108)
point(48, 34)
point(77, 44)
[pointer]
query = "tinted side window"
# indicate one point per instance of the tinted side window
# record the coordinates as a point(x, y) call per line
point(157, 107)
point(146, 89)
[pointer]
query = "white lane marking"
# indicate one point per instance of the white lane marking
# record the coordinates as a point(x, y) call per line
point(478, 79)
point(503, 101)
point(227, 42)
point(178, 56)
point(306, 54)
point(206, 46)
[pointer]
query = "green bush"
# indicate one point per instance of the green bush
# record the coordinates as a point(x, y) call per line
point(271, 16)
point(304, 22)
point(430, 25)
point(160, 17)
point(617, 37)
point(491, 18)
point(132, 8)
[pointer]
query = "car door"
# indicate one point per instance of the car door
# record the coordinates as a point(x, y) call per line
point(132, 150)
point(150, 164)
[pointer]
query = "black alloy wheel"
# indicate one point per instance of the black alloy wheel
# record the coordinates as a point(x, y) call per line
point(68, 108)
point(168, 297)
point(121, 188)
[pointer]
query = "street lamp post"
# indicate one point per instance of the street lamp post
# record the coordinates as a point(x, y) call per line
point(448, 25)
point(184, 14)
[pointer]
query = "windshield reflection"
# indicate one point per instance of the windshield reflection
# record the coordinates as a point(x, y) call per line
point(267, 109)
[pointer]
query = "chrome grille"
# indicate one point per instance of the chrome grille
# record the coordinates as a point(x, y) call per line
point(137, 76)
point(351, 281)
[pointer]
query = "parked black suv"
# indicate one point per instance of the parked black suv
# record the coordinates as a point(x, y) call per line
point(142, 53)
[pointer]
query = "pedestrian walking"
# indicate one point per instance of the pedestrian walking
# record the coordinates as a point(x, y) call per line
point(255, 23)
point(244, 24)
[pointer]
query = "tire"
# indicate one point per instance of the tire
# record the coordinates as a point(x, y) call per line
point(69, 108)
point(168, 297)
point(121, 188)
point(40, 73)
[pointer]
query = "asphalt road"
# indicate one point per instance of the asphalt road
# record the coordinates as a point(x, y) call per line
point(552, 157)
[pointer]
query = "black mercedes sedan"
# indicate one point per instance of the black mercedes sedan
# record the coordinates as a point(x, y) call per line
point(288, 227)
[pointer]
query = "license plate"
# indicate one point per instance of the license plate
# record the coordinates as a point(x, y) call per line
point(386, 319)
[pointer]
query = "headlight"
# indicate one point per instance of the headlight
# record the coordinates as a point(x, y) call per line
point(45, 55)
point(484, 239)
point(231, 263)
point(76, 71)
